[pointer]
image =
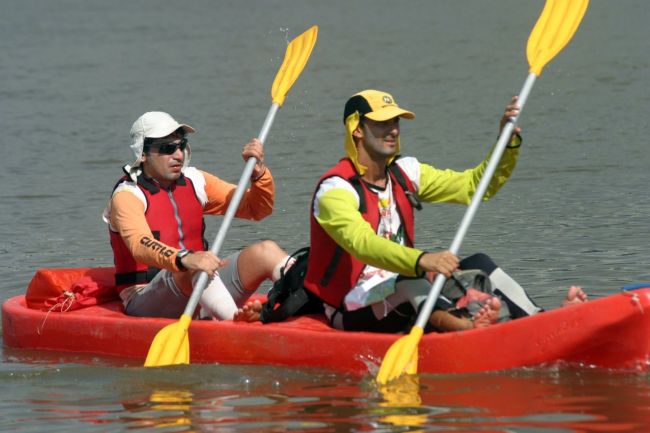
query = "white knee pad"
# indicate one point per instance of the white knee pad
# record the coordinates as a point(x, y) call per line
point(216, 301)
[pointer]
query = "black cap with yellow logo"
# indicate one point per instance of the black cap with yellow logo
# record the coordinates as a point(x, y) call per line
point(374, 105)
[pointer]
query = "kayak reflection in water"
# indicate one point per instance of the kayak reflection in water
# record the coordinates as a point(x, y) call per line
point(156, 227)
point(363, 266)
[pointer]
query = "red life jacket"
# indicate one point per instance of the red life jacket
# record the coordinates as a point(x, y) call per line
point(175, 217)
point(332, 272)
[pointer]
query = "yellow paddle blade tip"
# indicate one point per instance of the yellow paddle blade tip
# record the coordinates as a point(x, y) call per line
point(295, 59)
point(171, 346)
point(554, 29)
point(401, 358)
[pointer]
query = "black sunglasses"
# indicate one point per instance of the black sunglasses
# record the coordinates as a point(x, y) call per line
point(165, 148)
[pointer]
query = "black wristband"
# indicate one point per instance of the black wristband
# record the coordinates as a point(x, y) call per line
point(517, 142)
point(419, 271)
point(179, 258)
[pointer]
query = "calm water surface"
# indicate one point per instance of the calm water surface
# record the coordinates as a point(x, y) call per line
point(75, 74)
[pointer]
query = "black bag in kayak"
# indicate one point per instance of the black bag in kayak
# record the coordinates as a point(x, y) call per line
point(288, 297)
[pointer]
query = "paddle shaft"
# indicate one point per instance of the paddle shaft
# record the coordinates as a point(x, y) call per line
point(202, 281)
point(502, 142)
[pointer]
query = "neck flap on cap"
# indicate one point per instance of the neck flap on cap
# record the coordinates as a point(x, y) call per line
point(351, 123)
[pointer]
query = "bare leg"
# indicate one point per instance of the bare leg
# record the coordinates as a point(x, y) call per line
point(256, 263)
point(575, 295)
point(443, 321)
point(486, 316)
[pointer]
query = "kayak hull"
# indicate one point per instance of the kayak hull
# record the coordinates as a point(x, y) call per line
point(610, 332)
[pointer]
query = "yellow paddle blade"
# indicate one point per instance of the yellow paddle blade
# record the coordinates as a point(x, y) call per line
point(402, 357)
point(554, 29)
point(171, 345)
point(295, 59)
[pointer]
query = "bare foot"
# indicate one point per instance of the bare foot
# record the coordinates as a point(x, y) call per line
point(250, 312)
point(575, 295)
point(488, 314)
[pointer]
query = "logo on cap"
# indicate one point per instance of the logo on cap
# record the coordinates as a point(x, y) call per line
point(387, 99)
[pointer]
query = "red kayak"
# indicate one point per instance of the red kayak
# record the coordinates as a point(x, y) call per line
point(610, 332)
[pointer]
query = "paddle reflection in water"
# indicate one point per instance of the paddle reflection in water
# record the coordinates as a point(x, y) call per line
point(225, 398)
point(525, 400)
point(165, 408)
point(539, 400)
point(403, 395)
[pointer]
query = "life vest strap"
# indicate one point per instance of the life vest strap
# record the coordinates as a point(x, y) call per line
point(410, 195)
point(138, 277)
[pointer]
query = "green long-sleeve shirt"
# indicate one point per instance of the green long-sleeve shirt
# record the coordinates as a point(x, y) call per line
point(336, 208)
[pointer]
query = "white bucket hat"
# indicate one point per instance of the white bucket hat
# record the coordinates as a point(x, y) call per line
point(152, 124)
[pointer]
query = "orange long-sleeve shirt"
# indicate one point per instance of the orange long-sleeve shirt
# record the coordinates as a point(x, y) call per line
point(126, 213)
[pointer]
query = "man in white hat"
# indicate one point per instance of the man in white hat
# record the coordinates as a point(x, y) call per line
point(156, 226)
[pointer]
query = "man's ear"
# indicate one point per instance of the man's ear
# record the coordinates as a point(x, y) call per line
point(358, 132)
